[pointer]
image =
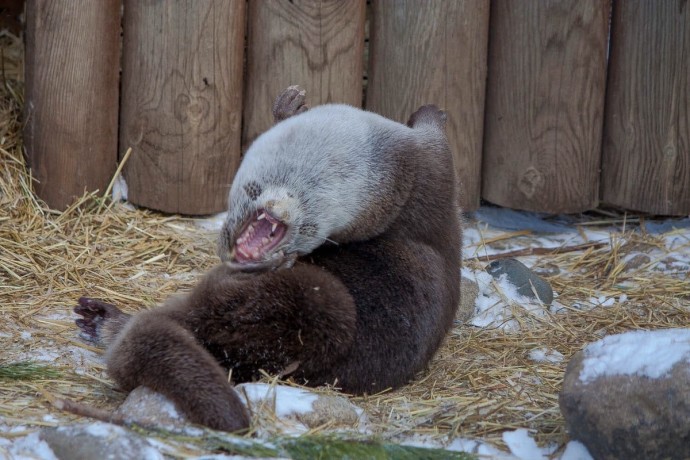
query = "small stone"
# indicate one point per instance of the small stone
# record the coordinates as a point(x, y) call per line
point(148, 408)
point(525, 280)
point(629, 415)
point(331, 409)
point(468, 298)
point(97, 440)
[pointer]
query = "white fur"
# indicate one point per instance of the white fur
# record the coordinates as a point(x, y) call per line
point(325, 159)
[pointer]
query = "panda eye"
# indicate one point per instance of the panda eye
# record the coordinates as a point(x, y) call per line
point(253, 190)
point(309, 229)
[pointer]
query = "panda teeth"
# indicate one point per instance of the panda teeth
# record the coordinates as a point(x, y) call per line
point(244, 252)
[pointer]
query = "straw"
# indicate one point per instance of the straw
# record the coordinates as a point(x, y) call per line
point(480, 384)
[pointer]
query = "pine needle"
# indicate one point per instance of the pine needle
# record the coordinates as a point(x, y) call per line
point(28, 370)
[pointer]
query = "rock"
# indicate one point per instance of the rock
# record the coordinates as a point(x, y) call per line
point(468, 297)
point(628, 396)
point(98, 440)
point(522, 278)
point(148, 408)
point(330, 409)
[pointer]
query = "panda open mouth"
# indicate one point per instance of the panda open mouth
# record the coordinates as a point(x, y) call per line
point(260, 235)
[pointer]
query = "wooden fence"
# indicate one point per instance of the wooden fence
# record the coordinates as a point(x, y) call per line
point(553, 105)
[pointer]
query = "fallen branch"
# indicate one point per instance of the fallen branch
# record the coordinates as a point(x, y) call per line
point(83, 410)
point(540, 251)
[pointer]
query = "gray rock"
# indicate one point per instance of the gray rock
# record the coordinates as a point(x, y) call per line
point(331, 409)
point(629, 416)
point(98, 440)
point(148, 408)
point(468, 297)
point(525, 280)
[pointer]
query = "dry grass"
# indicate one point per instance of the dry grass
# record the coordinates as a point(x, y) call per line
point(48, 259)
point(481, 383)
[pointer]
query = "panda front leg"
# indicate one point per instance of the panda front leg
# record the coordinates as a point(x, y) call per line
point(155, 351)
point(303, 319)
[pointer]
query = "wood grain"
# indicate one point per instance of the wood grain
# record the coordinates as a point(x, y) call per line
point(434, 53)
point(182, 102)
point(544, 106)
point(71, 101)
point(317, 44)
point(646, 155)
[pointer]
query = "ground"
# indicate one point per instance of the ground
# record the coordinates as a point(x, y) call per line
point(498, 372)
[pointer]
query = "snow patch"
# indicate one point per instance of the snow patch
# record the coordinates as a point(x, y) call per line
point(42, 355)
point(602, 301)
point(647, 353)
point(545, 355)
point(222, 457)
point(288, 400)
point(120, 190)
point(31, 447)
point(575, 450)
point(104, 430)
point(599, 301)
point(213, 223)
point(65, 315)
point(523, 446)
point(470, 446)
point(479, 448)
point(496, 300)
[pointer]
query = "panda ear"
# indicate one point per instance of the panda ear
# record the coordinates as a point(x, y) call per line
point(428, 115)
point(289, 103)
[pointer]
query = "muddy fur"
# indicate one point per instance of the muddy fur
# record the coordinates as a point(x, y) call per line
point(369, 299)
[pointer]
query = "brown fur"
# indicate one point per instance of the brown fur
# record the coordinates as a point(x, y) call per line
point(365, 315)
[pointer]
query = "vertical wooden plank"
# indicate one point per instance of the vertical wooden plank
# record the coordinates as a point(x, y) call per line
point(434, 53)
point(317, 44)
point(646, 157)
point(182, 102)
point(545, 101)
point(72, 67)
